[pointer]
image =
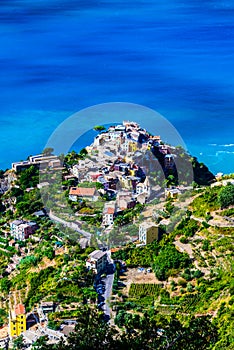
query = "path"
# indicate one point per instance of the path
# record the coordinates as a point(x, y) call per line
point(73, 225)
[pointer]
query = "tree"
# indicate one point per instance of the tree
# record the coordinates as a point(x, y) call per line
point(99, 127)
point(92, 332)
point(41, 344)
point(29, 177)
point(48, 151)
point(169, 258)
point(226, 196)
point(18, 343)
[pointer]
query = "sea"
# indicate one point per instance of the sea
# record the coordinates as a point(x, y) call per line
point(176, 57)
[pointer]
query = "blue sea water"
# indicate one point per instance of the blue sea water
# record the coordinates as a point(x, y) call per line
point(59, 56)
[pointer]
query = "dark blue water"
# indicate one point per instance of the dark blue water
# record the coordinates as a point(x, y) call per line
point(60, 56)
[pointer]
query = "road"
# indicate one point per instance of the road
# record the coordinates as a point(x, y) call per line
point(108, 285)
point(73, 225)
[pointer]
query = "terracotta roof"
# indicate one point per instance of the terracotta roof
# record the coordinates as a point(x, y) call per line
point(19, 309)
point(82, 191)
point(110, 210)
point(95, 176)
point(113, 250)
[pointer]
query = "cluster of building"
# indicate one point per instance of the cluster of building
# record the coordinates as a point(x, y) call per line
point(110, 162)
point(32, 326)
point(7, 179)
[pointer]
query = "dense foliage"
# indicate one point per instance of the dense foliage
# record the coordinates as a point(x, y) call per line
point(226, 196)
point(169, 259)
point(139, 332)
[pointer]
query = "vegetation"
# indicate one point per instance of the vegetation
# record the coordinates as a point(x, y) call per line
point(138, 332)
point(139, 290)
point(190, 303)
point(168, 261)
point(99, 128)
point(226, 196)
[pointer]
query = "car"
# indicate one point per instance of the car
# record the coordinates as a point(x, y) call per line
point(100, 291)
point(101, 304)
point(100, 286)
point(100, 298)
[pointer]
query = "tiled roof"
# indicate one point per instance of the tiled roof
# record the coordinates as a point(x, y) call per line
point(19, 309)
point(110, 210)
point(82, 191)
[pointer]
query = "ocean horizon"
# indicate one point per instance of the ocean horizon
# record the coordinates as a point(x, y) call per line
point(58, 57)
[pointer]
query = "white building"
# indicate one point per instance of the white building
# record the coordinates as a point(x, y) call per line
point(21, 229)
point(108, 215)
point(76, 171)
point(143, 187)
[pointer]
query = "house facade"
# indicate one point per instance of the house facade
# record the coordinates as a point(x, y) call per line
point(108, 215)
point(97, 261)
point(148, 232)
point(17, 321)
point(21, 229)
point(89, 193)
point(172, 193)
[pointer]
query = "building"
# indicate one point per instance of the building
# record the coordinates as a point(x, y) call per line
point(19, 166)
point(43, 184)
point(141, 198)
point(148, 232)
point(125, 200)
point(32, 335)
point(17, 320)
point(143, 187)
point(48, 306)
point(76, 169)
point(21, 229)
point(89, 193)
point(97, 261)
point(108, 215)
point(172, 192)
point(39, 160)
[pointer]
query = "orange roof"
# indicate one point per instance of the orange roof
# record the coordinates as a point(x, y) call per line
point(110, 210)
point(82, 191)
point(115, 250)
point(19, 309)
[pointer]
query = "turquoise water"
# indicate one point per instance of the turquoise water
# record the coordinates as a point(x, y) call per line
point(176, 57)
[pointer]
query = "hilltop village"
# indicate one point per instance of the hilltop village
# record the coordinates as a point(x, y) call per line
point(118, 243)
point(120, 169)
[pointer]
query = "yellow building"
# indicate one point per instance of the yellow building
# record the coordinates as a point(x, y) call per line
point(17, 320)
point(148, 232)
point(132, 146)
